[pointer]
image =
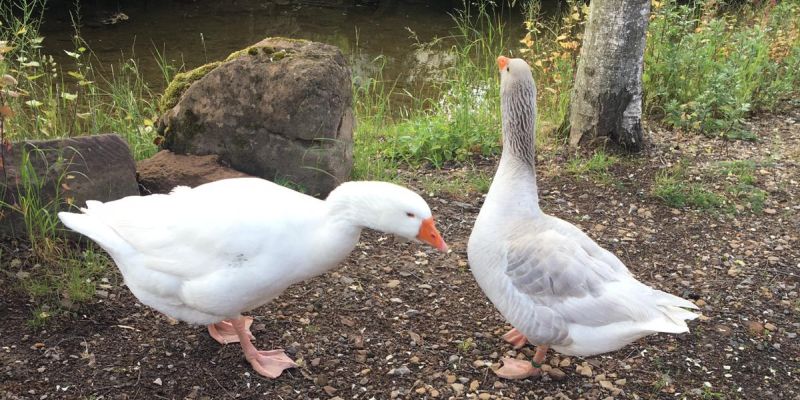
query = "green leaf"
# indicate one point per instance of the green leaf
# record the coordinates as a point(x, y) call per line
point(76, 75)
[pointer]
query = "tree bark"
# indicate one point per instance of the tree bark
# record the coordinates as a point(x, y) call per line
point(606, 101)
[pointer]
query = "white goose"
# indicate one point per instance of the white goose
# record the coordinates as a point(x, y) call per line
point(207, 254)
point(554, 284)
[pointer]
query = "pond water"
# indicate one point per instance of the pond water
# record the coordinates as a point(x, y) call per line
point(191, 33)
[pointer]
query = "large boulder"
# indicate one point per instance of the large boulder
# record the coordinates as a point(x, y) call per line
point(165, 170)
point(63, 173)
point(280, 109)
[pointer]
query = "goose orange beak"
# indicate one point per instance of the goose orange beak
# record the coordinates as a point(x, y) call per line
point(429, 234)
point(502, 62)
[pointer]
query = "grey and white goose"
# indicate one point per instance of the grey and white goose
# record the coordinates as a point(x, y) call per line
point(555, 285)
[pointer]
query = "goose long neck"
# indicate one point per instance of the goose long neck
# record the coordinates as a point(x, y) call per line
point(515, 180)
point(350, 208)
point(518, 113)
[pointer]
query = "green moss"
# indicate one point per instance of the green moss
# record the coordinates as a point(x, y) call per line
point(181, 82)
point(279, 55)
point(275, 54)
point(251, 51)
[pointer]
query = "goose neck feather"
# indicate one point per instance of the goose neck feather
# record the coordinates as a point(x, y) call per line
point(518, 111)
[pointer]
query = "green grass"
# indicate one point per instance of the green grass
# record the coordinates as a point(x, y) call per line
point(741, 183)
point(48, 101)
point(737, 192)
point(471, 183)
point(595, 167)
point(70, 280)
point(708, 65)
point(743, 170)
point(38, 212)
point(675, 188)
point(551, 46)
point(466, 345)
point(458, 123)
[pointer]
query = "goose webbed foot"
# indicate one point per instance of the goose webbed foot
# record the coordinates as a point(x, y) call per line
point(224, 331)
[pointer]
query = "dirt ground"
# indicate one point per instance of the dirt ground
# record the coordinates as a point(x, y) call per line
point(398, 320)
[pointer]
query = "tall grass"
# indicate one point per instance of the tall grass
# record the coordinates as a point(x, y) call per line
point(459, 121)
point(42, 99)
point(31, 202)
point(551, 46)
point(709, 66)
point(55, 101)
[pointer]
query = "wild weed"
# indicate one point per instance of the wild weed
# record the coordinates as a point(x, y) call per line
point(595, 166)
point(676, 188)
point(68, 282)
point(51, 102)
point(551, 46)
point(708, 67)
point(460, 122)
point(39, 211)
point(737, 192)
point(469, 184)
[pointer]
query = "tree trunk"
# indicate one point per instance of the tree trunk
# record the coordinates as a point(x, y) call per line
point(606, 100)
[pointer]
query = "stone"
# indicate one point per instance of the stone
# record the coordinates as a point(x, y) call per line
point(280, 109)
point(403, 370)
point(98, 167)
point(165, 170)
point(330, 390)
point(755, 328)
point(584, 369)
point(458, 388)
point(556, 374)
point(607, 385)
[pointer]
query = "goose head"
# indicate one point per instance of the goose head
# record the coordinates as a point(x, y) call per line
point(389, 208)
point(514, 72)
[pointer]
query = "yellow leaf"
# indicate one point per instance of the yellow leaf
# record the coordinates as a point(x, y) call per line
point(576, 16)
point(561, 37)
point(148, 122)
point(527, 41)
point(551, 90)
point(538, 63)
point(22, 30)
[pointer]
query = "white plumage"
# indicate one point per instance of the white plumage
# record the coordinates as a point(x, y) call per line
point(552, 282)
point(207, 254)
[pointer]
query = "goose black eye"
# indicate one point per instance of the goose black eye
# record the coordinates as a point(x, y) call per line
point(410, 215)
point(508, 69)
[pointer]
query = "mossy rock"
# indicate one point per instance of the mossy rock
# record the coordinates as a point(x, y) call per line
point(183, 80)
point(279, 108)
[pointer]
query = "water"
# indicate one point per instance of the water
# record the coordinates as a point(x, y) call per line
point(192, 33)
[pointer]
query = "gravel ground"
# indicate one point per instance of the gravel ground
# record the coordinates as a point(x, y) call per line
point(399, 320)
